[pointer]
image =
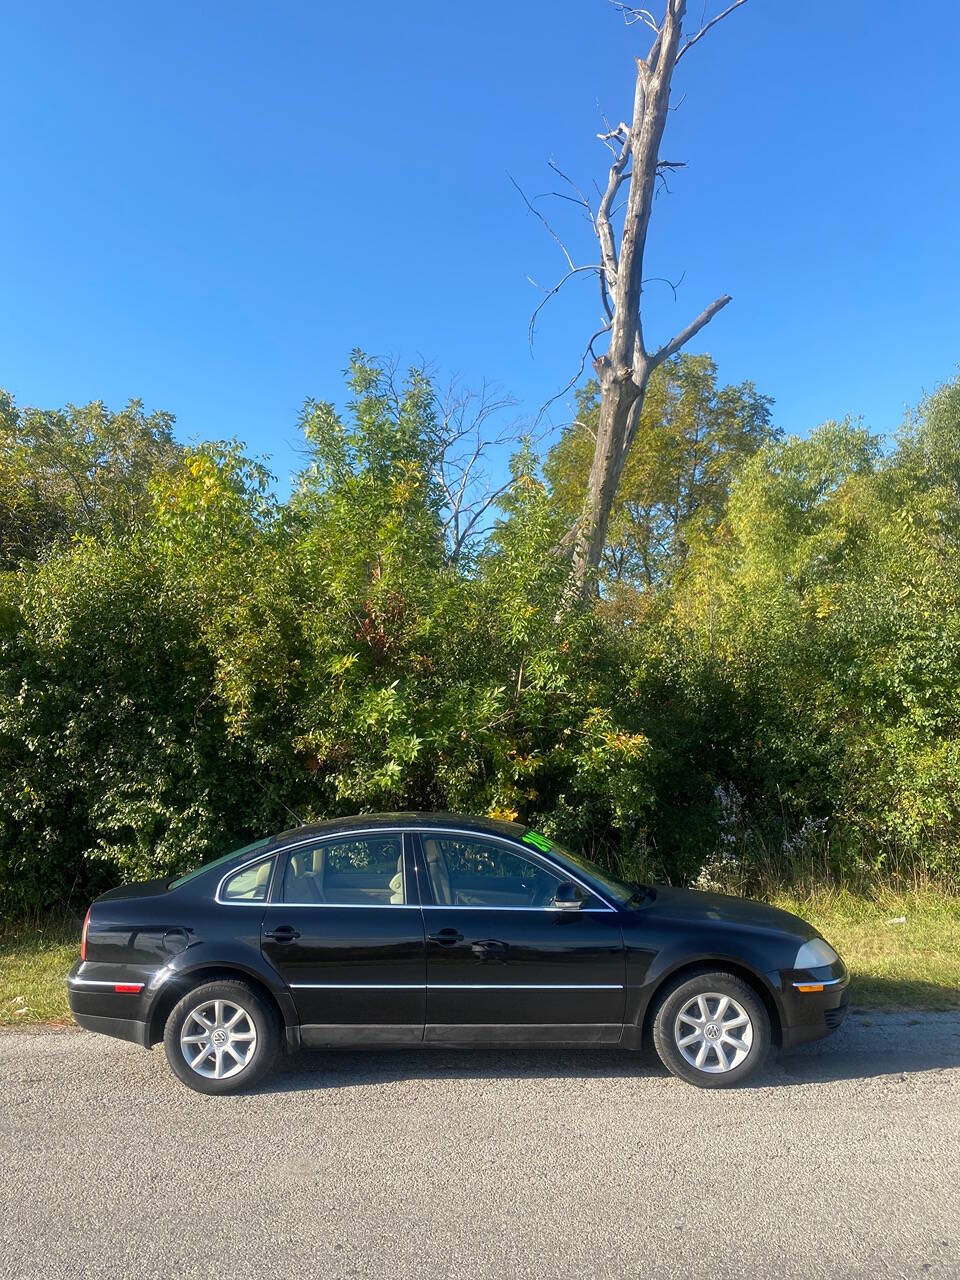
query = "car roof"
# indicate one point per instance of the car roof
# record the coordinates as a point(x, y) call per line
point(395, 821)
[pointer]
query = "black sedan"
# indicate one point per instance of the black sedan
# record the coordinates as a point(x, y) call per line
point(437, 929)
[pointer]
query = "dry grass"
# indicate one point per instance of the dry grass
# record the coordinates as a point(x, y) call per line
point(909, 965)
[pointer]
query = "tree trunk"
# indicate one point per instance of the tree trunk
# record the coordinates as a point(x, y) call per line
point(618, 405)
point(625, 369)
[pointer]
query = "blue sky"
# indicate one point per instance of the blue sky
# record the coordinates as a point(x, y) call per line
point(208, 206)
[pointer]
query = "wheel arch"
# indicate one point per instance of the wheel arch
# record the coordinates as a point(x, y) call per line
point(713, 964)
point(181, 982)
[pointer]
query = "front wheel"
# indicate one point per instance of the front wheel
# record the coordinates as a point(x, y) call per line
point(712, 1030)
point(221, 1037)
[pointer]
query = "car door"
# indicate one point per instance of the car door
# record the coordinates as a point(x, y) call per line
point(345, 932)
point(503, 962)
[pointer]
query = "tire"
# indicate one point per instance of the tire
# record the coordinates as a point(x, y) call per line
point(232, 1037)
point(729, 1043)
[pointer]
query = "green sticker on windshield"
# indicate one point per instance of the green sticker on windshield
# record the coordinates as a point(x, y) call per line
point(538, 841)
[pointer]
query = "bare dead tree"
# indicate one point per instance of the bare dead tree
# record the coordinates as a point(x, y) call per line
point(472, 427)
point(624, 368)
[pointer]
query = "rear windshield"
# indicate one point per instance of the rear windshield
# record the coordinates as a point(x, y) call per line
point(218, 862)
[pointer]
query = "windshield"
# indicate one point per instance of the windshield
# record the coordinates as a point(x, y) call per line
point(620, 890)
point(208, 866)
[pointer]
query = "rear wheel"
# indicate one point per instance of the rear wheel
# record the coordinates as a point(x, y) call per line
point(221, 1037)
point(712, 1030)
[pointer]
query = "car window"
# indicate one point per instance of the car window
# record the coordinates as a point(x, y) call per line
point(469, 872)
point(364, 871)
point(248, 885)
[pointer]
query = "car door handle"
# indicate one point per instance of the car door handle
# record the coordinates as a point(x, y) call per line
point(446, 937)
point(282, 933)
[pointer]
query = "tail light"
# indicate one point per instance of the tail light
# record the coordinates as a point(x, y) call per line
point(83, 936)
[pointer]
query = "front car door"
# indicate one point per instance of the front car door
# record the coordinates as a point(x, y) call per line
point(503, 962)
point(345, 932)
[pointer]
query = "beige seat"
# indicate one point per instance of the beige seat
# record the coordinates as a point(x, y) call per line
point(396, 884)
point(263, 876)
point(304, 875)
point(439, 875)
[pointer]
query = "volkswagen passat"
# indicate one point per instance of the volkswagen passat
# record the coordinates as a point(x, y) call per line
point(437, 929)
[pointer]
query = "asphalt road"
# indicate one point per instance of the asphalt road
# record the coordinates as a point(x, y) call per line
point(841, 1160)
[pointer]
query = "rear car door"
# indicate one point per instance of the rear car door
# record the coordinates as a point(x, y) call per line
point(503, 963)
point(345, 932)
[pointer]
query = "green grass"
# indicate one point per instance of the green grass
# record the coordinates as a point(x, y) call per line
point(913, 965)
point(34, 962)
point(910, 965)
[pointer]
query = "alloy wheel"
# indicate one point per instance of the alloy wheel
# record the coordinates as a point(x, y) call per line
point(713, 1032)
point(218, 1039)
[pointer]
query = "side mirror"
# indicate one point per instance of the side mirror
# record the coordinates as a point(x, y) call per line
point(567, 897)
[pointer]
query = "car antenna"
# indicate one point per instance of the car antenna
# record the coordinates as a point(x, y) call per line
point(296, 817)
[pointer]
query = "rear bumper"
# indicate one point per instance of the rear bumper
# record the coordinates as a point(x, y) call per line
point(97, 1006)
point(122, 1028)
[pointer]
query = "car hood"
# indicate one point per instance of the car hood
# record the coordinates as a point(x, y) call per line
point(695, 907)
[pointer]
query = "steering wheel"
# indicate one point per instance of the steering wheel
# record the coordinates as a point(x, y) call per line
point(545, 892)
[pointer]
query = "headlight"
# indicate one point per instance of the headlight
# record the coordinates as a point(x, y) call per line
point(815, 953)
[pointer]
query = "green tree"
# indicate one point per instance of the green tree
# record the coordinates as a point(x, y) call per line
point(77, 471)
point(830, 601)
point(692, 438)
point(115, 760)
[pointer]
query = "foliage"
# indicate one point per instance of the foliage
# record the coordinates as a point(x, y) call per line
point(75, 471)
point(113, 749)
point(767, 688)
point(691, 440)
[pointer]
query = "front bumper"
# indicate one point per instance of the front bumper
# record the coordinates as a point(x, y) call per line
point(814, 1002)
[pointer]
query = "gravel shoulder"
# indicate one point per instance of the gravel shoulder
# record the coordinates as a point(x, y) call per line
point(840, 1160)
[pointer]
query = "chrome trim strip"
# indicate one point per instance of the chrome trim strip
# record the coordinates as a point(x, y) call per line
point(414, 906)
point(346, 906)
point(357, 986)
point(819, 982)
point(524, 986)
point(459, 906)
point(104, 982)
point(456, 986)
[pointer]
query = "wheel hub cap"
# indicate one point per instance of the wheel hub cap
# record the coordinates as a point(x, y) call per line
point(218, 1039)
point(713, 1032)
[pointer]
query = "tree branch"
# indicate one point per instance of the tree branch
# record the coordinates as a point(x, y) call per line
point(537, 214)
point(582, 199)
point(683, 337)
point(632, 15)
point(604, 225)
point(588, 350)
point(712, 23)
point(482, 510)
point(556, 289)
